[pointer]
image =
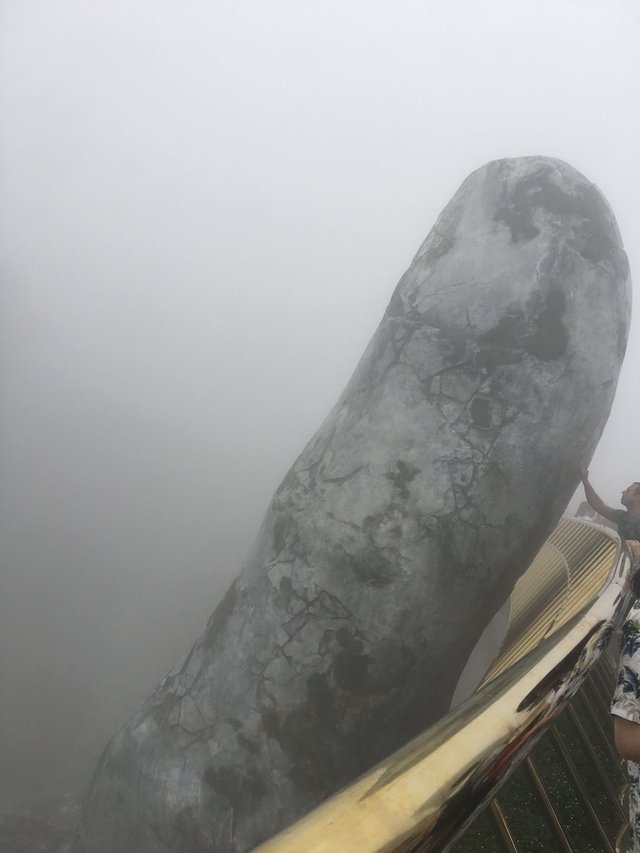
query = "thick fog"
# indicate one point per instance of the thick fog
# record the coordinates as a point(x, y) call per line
point(205, 207)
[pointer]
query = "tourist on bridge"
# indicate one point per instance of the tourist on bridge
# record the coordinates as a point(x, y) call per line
point(627, 520)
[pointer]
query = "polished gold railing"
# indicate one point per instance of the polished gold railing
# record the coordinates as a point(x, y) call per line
point(564, 610)
point(568, 572)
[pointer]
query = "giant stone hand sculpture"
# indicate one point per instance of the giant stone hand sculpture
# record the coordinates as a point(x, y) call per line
point(398, 532)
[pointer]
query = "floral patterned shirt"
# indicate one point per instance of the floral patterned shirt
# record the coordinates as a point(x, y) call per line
point(626, 704)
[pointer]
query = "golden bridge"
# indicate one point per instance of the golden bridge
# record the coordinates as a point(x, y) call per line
point(527, 762)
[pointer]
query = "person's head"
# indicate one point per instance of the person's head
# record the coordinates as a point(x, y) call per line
point(631, 496)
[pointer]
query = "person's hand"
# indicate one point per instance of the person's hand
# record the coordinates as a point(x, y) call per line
point(584, 475)
point(634, 546)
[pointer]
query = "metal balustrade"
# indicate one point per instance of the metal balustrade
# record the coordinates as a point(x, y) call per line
point(569, 793)
point(527, 762)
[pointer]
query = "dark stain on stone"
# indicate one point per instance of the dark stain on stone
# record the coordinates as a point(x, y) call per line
point(286, 586)
point(350, 665)
point(594, 232)
point(295, 623)
point(480, 413)
point(460, 496)
point(371, 567)
point(281, 528)
point(320, 697)
point(519, 223)
point(508, 332)
point(346, 477)
point(161, 710)
point(513, 530)
point(453, 344)
point(327, 642)
point(543, 336)
point(445, 534)
point(270, 723)
point(332, 735)
point(221, 615)
point(188, 836)
point(307, 733)
point(550, 340)
point(595, 238)
point(247, 742)
point(525, 198)
point(242, 788)
point(287, 594)
point(326, 604)
point(402, 476)
point(439, 245)
point(370, 523)
point(501, 344)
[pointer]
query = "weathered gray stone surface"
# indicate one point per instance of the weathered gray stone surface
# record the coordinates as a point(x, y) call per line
point(399, 531)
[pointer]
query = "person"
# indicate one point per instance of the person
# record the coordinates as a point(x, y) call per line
point(627, 520)
point(625, 707)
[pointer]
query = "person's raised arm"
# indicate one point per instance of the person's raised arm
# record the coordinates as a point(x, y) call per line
point(594, 499)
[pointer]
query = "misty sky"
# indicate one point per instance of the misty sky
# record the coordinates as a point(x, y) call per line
point(204, 209)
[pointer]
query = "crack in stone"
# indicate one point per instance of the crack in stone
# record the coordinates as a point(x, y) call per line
point(466, 282)
point(194, 735)
point(198, 711)
point(333, 517)
point(346, 477)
